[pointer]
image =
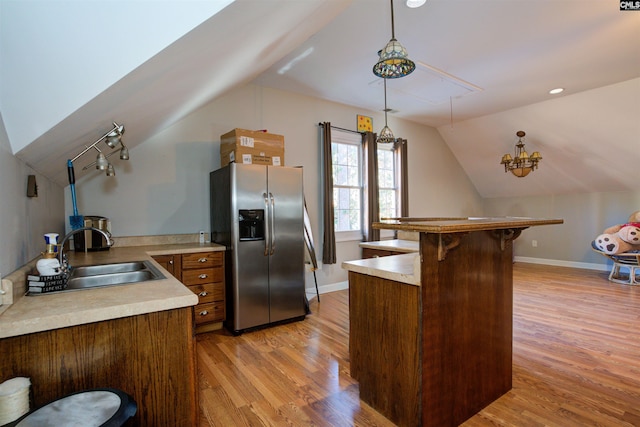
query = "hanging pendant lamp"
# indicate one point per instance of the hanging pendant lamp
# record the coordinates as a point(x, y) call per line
point(522, 163)
point(394, 60)
point(385, 136)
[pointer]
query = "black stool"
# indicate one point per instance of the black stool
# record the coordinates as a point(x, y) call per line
point(100, 407)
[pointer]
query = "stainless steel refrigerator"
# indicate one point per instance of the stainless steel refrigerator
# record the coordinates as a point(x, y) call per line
point(257, 212)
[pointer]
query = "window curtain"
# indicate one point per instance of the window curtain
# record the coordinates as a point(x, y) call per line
point(372, 201)
point(402, 179)
point(329, 235)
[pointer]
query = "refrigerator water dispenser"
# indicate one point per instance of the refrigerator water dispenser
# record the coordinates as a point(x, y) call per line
point(251, 224)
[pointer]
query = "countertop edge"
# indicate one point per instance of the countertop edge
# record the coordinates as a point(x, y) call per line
point(67, 309)
point(83, 317)
point(396, 245)
point(463, 225)
point(404, 268)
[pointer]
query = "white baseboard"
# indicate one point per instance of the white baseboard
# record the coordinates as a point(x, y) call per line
point(559, 263)
point(324, 289)
point(332, 287)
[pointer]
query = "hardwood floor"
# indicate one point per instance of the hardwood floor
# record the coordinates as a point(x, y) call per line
point(576, 362)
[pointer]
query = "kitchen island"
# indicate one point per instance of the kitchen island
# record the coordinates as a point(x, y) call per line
point(138, 338)
point(434, 347)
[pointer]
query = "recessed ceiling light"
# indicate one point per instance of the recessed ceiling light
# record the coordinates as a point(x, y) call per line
point(556, 91)
point(415, 3)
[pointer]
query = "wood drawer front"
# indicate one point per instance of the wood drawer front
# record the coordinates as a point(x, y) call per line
point(209, 292)
point(201, 276)
point(213, 312)
point(201, 260)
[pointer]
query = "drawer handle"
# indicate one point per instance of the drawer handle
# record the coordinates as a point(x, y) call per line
point(204, 313)
point(203, 294)
point(202, 260)
point(170, 262)
point(203, 276)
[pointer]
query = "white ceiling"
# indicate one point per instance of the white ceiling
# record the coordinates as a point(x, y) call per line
point(489, 55)
point(484, 71)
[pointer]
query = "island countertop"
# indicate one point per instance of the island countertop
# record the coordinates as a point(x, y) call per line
point(403, 268)
point(395, 245)
point(462, 225)
point(29, 314)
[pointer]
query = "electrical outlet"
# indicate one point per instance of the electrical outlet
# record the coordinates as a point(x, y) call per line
point(201, 236)
point(534, 243)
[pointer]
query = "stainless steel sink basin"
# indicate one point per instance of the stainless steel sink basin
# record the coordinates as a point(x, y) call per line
point(121, 267)
point(93, 276)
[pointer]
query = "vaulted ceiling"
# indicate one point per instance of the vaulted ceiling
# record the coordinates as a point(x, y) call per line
point(484, 69)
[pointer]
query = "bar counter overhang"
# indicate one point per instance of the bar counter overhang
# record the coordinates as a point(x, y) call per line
point(437, 353)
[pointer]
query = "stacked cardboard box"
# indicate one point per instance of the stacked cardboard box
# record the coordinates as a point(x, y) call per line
point(248, 146)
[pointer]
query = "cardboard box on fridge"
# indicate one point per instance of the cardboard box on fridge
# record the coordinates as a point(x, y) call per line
point(250, 156)
point(247, 146)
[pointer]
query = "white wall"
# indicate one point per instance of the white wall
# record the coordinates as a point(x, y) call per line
point(90, 44)
point(164, 189)
point(24, 220)
point(585, 216)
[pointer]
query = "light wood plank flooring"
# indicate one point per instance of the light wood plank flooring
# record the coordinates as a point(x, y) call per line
point(576, 362)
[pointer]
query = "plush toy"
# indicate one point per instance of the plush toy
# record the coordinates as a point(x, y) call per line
point(635, 217)
point(620, 238)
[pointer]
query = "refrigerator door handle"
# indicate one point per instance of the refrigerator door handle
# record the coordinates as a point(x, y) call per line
point(266, 229)
point(273, 223)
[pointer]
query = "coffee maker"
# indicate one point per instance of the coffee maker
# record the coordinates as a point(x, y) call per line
point(90, 240)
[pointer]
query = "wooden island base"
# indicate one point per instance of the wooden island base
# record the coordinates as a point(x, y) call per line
point(384, 345)
point(437, 353)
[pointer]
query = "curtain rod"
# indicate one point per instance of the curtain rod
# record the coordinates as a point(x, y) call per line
point(346, 130)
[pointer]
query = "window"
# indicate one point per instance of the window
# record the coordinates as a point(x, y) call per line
point(347, 184)
point(387, 194)
point(349, 195)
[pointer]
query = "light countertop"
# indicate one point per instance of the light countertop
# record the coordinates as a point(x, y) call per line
point(462, 225)
point(29, 314)
point(395, 245)
point(403, 268)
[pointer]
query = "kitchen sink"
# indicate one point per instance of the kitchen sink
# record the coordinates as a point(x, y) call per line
point(100, 275)
point(100, 269)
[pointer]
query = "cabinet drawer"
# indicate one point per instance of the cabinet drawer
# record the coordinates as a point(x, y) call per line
point(202, 275)
point(201, 260)
point(213, 312)
point(209, 292)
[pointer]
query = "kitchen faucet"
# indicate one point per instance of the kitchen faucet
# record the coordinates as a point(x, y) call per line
point(64, 264)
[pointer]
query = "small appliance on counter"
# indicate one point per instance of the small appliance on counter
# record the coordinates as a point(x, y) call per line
point(90, 240)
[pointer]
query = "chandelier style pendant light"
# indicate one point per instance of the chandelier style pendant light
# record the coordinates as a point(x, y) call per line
point(394, 61)
point(385, 136)
point(522, 163)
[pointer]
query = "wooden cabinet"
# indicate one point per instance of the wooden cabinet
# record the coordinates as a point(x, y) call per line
point(384, 326)
point(149, 356)
point(167, 262)
point(203, 274)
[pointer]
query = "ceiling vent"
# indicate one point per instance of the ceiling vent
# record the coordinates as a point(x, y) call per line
point(431, 85)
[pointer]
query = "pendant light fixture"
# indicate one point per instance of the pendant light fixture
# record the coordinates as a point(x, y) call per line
point(522, 163)
point(112, 139)
point(385, 136)
point(394, 60)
